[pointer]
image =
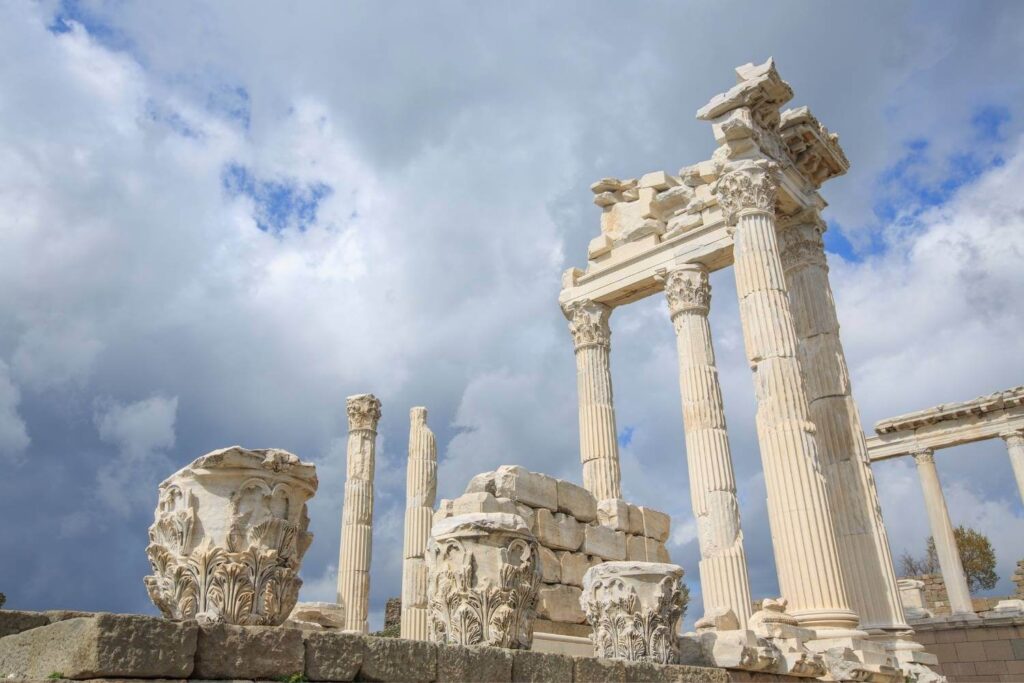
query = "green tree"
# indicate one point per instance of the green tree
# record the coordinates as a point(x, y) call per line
point(976, 555)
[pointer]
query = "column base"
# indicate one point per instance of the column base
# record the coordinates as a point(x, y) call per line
point(843, 620)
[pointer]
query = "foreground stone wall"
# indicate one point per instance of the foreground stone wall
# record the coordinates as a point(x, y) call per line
point(990, 650)
point(573, 533)
point(122, 646)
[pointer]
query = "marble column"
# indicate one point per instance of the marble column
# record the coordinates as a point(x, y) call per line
point(857, 515)
point(357, 514)
point(942, 532)
point(799, 512)
point(1015, 448)
point(723, 564)
point(420, 491)
point(599, 446)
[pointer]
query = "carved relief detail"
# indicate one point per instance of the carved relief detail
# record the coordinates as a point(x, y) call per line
point(363, 412)
point(588, 324)
point(634, 609)
point(688, 289)
point(747, 186)
point(250, 576)
point(483, 581)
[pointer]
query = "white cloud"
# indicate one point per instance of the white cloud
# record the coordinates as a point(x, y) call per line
point(14, 437)
point(142, 432)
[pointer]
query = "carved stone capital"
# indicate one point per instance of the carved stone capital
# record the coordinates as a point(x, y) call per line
point(1014, 439)
point(228, 538)
point(634, 609)
point(588, 324)
point(800, 240)
point(363, 412)
point(483, 576)
point(747, 186)
point(924, 456)
point(687, 290)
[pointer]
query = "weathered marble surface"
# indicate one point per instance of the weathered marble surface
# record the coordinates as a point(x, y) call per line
point(229, 536)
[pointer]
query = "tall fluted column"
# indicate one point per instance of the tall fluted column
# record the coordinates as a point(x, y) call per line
point(857, 515)
point(1015, 448)
point(357, 514)
point(806, 556)
point(599, 446)
point(420, 491)
point(942, 532)
point(723, 563)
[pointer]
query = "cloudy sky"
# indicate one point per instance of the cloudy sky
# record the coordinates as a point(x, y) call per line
point(219, 220)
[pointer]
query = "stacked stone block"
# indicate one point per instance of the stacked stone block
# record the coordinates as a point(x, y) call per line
point(107, 647)
point(1018, 580)
point(573, 534)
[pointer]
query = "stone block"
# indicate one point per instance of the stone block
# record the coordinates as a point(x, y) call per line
point(604, 542)
point(675, 673)
point(613, 513)
point(636, 521)
point(560, 603)
point(105, 645)
point(529, 516)
point(574, 566)
point(550, 568)
point(470, 503)
point(595, 670)
point(443, 511)
point(643, 549)
point(15, 621)
point(558, 531)
point(970, 652)
point(481, 483)
point(523, 486)
point(576, 501)
point(394, 659)
point(264, 652)
point(656, 525)
point(456, 663)
point(333, 656)
point(998, 650)
point(538, 667)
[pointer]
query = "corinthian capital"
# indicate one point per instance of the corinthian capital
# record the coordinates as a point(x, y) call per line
point(800, 241)
point(924, 456)
point(1014, 438)
point(363, 412)
point(688, 290)
point(748, 185)
point(588, 323)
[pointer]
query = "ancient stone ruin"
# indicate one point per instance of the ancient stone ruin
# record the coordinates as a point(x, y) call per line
point(525, 577)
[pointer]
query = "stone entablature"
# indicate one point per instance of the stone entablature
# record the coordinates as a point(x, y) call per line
point(574, 534)
point(950, 424)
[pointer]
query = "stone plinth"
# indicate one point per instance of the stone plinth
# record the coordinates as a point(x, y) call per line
point(229, 536)
point(634, 609)
point(912, 598)
point(483, 575)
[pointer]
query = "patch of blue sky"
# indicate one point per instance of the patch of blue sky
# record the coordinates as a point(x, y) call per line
point(279, 204)
point(170, 118)
point(626, 436)
point(233, 102)
point(70, 12)
point(919, 180)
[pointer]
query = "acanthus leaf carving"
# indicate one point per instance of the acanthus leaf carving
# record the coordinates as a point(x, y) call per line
point(749, 185)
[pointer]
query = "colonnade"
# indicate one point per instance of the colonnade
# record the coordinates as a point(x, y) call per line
point(831, 551)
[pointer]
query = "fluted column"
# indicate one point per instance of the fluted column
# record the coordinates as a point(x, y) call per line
point(357, 514)
point(1015, 448)
point(942, 532)
point(420, 491)
point(599, 446)
point(857, 515)
point(723, 563)
point(806, 556)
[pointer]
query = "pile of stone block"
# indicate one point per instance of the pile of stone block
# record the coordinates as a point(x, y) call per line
point(125, 646)
point(1018, 580)
point(574, 531)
